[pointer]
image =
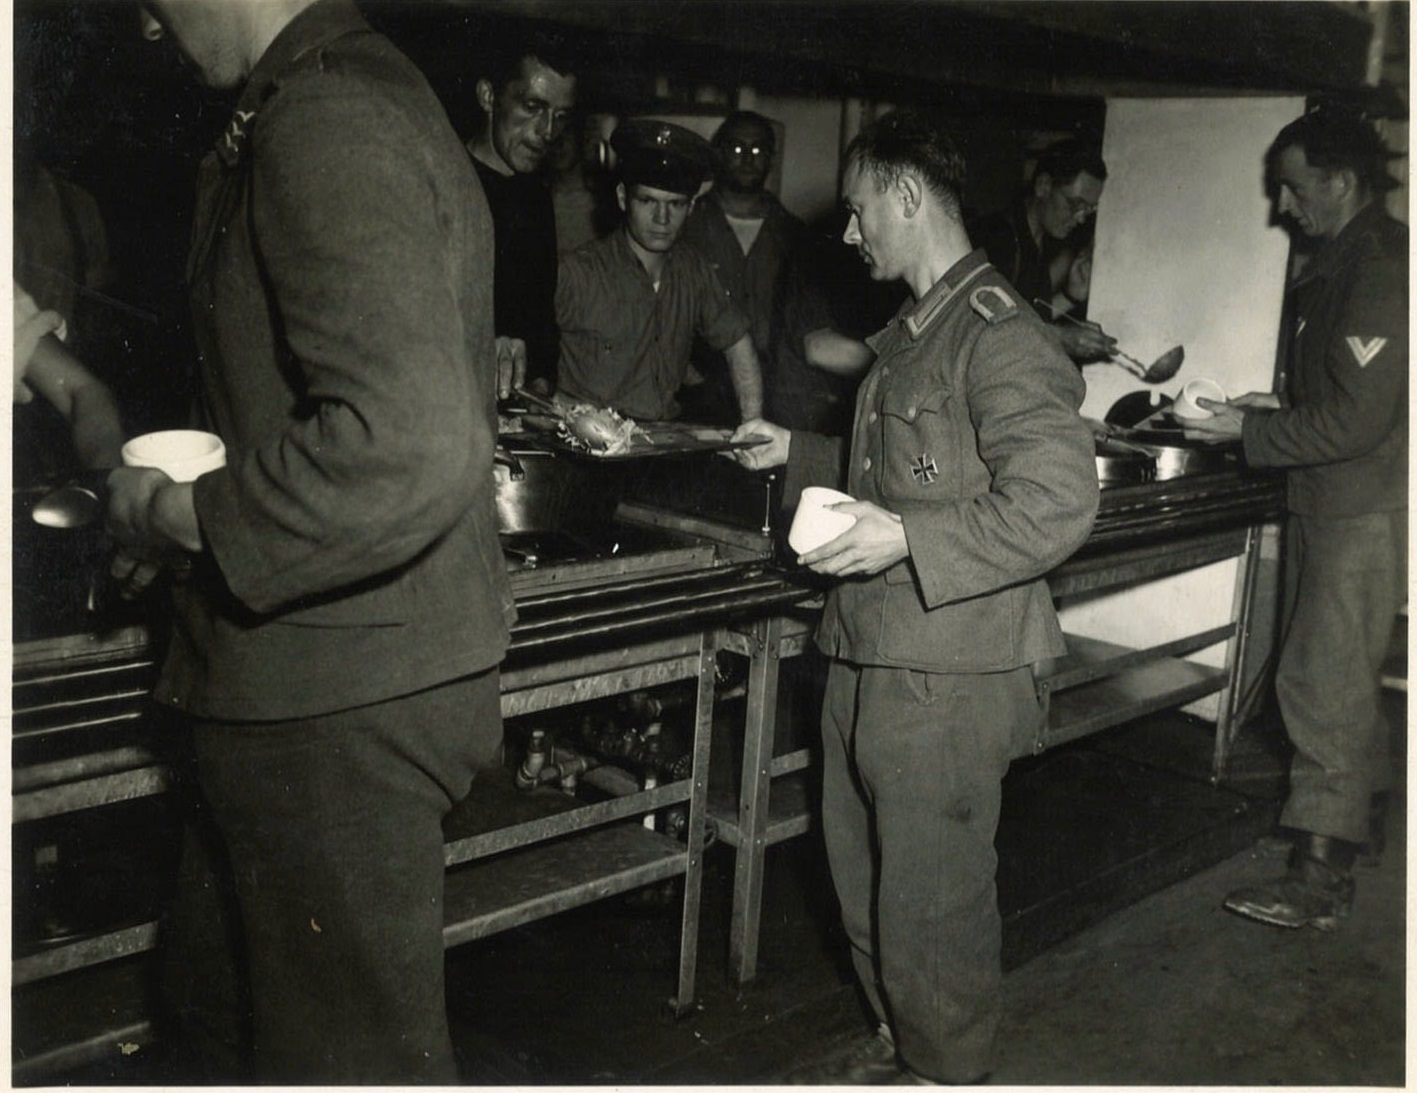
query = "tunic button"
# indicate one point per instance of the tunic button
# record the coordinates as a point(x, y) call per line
point(874, 416)
point(911, 413)
point(866, 463)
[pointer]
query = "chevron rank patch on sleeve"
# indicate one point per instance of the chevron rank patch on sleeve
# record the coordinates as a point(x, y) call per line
point(1364, 350)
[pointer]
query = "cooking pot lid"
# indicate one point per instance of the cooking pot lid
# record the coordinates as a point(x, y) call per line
point(1135, 407)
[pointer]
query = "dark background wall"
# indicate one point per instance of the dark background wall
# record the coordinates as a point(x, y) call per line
point(123, 119)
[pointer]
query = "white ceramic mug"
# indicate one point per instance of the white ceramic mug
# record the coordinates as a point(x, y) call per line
point(1185, 406)
point(814, 523)
point(182, 454)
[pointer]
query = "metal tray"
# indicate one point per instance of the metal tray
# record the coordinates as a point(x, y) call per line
point(659, 438)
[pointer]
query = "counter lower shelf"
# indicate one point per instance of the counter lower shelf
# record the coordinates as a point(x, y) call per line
point(489, 896)
point(541, 857)
point(480, 899)
point(114, 1003)
point(1115, 684)
point(790, 807)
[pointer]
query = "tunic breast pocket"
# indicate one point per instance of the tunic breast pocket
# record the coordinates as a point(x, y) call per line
point(919, 443)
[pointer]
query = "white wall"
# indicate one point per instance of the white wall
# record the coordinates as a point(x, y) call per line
point(1184, 254)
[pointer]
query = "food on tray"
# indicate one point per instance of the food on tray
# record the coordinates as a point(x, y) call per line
point(598, 429)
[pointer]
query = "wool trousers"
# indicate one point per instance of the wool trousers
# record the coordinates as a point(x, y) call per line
point(912, 766)
point(333, 828)
point(1345, 579)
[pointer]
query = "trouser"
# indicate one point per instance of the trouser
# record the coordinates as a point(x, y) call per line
point(204, 985)
point(912, 768)
point(1345, 580)
point(333, 825)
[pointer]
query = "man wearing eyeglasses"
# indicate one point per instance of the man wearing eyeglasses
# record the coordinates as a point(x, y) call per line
point(1026, 241)
point(528, 99)
point(760, 252)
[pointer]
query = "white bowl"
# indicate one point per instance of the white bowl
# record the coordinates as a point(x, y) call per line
point(814, 523)
point(1185, 407)
point(182, 454)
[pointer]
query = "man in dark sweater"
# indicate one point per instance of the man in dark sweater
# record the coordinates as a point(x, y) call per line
point(528, 101)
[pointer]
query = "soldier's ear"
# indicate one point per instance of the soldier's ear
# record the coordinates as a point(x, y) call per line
point(1343, 182)
point(910, 192)
point(486, 96)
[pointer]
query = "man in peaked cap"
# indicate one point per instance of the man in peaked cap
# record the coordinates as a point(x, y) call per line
point(629, 305)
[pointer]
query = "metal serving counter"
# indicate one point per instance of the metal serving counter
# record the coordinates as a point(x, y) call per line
point(638, 608)
point(654, 603)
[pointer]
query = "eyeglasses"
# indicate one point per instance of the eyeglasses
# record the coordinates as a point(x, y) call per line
point(1077, 206)
point(754, 150)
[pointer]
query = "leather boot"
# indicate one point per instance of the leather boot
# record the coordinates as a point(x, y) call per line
point(1316, 891)
point(1378, 806)
point(864, 1059)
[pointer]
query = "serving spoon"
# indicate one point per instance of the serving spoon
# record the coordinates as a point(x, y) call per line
point(1158, 371)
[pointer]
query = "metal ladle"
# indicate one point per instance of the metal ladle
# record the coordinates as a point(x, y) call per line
point(75, 504)
point(1158, 371)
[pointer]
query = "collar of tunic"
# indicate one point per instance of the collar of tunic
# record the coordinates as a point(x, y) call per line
point(917, 318)
point(313, 28)
point(1342, 250)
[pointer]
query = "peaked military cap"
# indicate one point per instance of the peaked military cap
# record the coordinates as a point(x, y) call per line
point(662, 154)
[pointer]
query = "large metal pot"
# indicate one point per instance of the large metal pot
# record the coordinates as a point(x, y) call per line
point(1180, 458)
point(541, 491)
point(1122, 464)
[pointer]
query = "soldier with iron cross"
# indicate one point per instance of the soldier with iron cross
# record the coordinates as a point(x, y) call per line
point(973, 476)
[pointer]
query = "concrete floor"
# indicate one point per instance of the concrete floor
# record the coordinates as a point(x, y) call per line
point(1175, 991)
point(1162, 988)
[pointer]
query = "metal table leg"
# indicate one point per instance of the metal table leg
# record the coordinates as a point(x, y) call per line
point(760, 730)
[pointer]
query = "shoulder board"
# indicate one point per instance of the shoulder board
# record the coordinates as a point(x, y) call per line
point(993, 304)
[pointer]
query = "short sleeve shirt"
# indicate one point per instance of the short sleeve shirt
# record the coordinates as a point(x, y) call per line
point(626, 345)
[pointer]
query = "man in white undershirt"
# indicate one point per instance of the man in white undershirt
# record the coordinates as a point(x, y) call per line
point(760, 252)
